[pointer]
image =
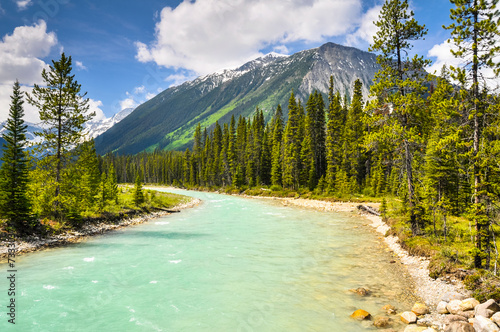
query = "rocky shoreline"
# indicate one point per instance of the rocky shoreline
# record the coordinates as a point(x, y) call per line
point(35, 243)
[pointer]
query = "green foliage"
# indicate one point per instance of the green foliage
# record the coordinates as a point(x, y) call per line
point(138, 192)
point(15, 205)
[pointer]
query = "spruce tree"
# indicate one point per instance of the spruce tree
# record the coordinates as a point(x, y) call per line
point(334, 129)
point(277, 155)
point(398, 114)
point(138, 191)
point(475, 34)
point(63, 112)
point(15, 205)
point(292, 145)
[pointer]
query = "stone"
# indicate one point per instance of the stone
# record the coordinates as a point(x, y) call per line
point(454, 306)
point(441, 308)
point(408, 317)
point(496, 318)
point(414, 328)
point(467, 314)
point(361, 314)
point(459, 327)
point(483, 324)
point(360, 291)
point(469, 304)
point(390, 309)
point(487, 309)
point(420, 309)
point(429, 329)
point(454, 318)
point(381, 321)
point(448, 297)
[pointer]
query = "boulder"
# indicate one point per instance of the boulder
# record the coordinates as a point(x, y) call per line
point(420, 309)
point(381, 321)
point(483, 324)
point(454, 318)
point(454, 306)
point(459, 327)
point(496, 318)
point(415, 328)
point(487, 309)
point(448, 297)
point(390, 309)
point(408, 317)
point(361, 314)
point(441, 308)
point(469, 304)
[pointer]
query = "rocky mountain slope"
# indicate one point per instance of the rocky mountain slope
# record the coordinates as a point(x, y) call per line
point(168, 120)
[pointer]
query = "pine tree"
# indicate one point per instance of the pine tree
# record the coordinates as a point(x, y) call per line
point(89, 175)
point(15, 205)
point(334, 130)
point(292, 145)
point(475, 34)
point(277, 155)
point(62, 113)
point(398, 112)
point(138, 191)
point(112, 184)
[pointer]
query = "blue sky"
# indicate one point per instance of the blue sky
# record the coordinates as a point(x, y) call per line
point(125, 52)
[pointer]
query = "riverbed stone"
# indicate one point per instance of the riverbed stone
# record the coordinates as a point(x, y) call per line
point(360, 291)
point(483, 324)
point(467, 314)
point(454, 306)
point(381, 321)
point(390, 309)
point(415, 328)
point(454, 318)
point(459, 327)
point(408, 317)
point(469, 304)
point(441, 308)
point(420, 309)
point(487, 309)
point(361, 314)
point(450, 296)
point(496, 318)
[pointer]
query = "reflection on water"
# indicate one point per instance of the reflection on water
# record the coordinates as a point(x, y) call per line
point(231, 264)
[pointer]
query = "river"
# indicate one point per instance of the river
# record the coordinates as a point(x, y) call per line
point(229, 264)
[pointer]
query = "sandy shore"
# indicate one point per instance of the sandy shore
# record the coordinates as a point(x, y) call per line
point(87, 231)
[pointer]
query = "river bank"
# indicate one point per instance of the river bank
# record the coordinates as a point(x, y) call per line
point(35, 243)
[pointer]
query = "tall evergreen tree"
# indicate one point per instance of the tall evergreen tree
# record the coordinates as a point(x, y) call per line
point(277, 155)
point(15, 206)
point(398, 112)
point(333, 140)
point(138, 191)
point(63, 112)
point(292, 145)
point(475, 33)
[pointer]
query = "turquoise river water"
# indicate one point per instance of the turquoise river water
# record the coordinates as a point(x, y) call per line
point(229, 264)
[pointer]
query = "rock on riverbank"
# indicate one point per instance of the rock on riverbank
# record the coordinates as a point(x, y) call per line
point(35, 243)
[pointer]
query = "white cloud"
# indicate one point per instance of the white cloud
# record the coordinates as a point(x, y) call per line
point(139, 89)
point(95, 106)
point(150, 96)
point(128, 103)
point(208, 35)
point(79, 65)
point(23, 4)
point(20, 58)
point(177, 79)
point(367, 29)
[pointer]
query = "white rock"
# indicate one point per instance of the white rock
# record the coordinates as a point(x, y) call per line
point(441, 308)
point(483, 324)
point(408, 317)
point(496, 318)
point(469, 304)
point(487, 309)
point(454, 306)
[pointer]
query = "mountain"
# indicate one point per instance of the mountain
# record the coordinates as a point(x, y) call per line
point(97, 127)
point(93, 128)
point(168, 120)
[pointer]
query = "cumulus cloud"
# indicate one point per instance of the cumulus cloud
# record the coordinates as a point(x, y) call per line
point(366, 29)
point(128, 103)
point(20, 58)
point(95, 106)
point(79, 65)
point(208, 35)
point(23, 4)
